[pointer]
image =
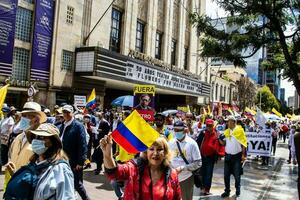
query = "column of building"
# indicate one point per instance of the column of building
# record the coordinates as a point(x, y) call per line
point(130, 20)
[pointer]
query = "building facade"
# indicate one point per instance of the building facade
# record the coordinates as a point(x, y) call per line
point(109, 47)
point(224, 88)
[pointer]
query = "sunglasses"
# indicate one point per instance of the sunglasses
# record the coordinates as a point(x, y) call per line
point(145, 100)
point(38, 137)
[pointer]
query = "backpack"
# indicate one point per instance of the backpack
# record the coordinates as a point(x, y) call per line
point(23, 183)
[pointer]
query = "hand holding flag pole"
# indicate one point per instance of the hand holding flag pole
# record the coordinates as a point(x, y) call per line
point(106, 147)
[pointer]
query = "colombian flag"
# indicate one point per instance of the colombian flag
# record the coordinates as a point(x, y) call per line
point(91, 103)
point(134, 134)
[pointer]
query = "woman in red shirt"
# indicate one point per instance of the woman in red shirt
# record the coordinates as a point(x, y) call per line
point(149, 176)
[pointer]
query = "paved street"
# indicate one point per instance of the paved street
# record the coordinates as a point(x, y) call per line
point(278, 181)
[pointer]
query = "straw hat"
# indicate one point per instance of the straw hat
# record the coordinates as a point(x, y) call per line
point(35, 108)
point(47, 130)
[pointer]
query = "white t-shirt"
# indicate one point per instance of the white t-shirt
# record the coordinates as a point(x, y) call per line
point(232, 145)
point(6, 124)
point(191, 152)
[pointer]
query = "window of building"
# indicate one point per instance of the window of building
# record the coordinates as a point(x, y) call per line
point(158, 44)
point(67, 60)
point(23, 24)
point(185, 62)
point(28, 1)
point(70, 14)
point(139, 42)
point(225, 93)
point(115, 34)
point(216, 95)
point(173, 52)
point(221, 91)
point(20, 64)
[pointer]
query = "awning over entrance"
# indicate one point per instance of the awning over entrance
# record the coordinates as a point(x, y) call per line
point(122, 72)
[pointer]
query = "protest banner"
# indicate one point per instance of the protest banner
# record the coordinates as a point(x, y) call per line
point(144, 102)
point(259, 144)
point(80, 100)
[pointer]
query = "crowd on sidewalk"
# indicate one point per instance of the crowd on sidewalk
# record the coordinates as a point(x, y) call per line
point(44, 152)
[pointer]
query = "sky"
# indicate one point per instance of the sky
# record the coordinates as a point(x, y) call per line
point(214, 11)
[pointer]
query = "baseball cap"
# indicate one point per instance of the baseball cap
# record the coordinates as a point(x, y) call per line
point(68, 108)
point(179, 124)
point(209, 122)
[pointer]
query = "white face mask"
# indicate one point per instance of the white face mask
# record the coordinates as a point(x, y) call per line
point(24, 124)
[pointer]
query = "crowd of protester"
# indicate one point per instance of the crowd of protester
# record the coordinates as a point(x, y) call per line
point(56, 146)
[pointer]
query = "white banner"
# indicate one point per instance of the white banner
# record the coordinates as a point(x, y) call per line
point(79, 100)
point(259, 143)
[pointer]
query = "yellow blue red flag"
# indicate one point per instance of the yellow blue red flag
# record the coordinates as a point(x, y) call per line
point(91, 102)
point(134, 134)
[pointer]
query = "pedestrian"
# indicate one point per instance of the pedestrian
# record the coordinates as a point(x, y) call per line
point(209, 154)
point(50, 119)
point(89, 129)
point(103, 129)
point(20, 151)
point(235, 142)
point(59, 118)
point(6, 128)
point(54, 178)
point(16, 129)
point(149, 176)
point(274, 132)
point(297, 150)
point(284, 129)
point(73, 137)
point(186, 159)
point(159, 121)
point(292, 150)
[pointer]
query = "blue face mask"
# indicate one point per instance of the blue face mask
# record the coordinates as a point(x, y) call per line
point(38, 146)
point(179, 135)
point(24, 124)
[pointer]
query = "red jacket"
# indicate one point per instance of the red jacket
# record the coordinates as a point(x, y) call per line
point(210, 145)
point(130, 172)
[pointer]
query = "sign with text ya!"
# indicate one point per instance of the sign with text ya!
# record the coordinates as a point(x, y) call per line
point(259, 143)
point(8, 9)
point(144, 101)
point(42, 39)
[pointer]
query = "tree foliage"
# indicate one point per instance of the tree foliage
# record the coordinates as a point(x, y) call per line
point(246, 93)
point(266, 99)
point(255, 24)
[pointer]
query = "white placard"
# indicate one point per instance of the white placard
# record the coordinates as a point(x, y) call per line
point(259, 143)
point(79, 100)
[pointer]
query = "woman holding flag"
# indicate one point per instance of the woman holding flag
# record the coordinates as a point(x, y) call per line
point(149, 176)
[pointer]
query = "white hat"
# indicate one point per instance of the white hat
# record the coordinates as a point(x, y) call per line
point(46, 110)
point(231, 117)
point(33, 107)
point(68, 108)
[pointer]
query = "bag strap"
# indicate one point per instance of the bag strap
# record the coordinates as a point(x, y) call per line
point(181, 154)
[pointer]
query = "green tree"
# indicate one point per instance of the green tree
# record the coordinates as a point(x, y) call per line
point(254, 24)
point(267, 99)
